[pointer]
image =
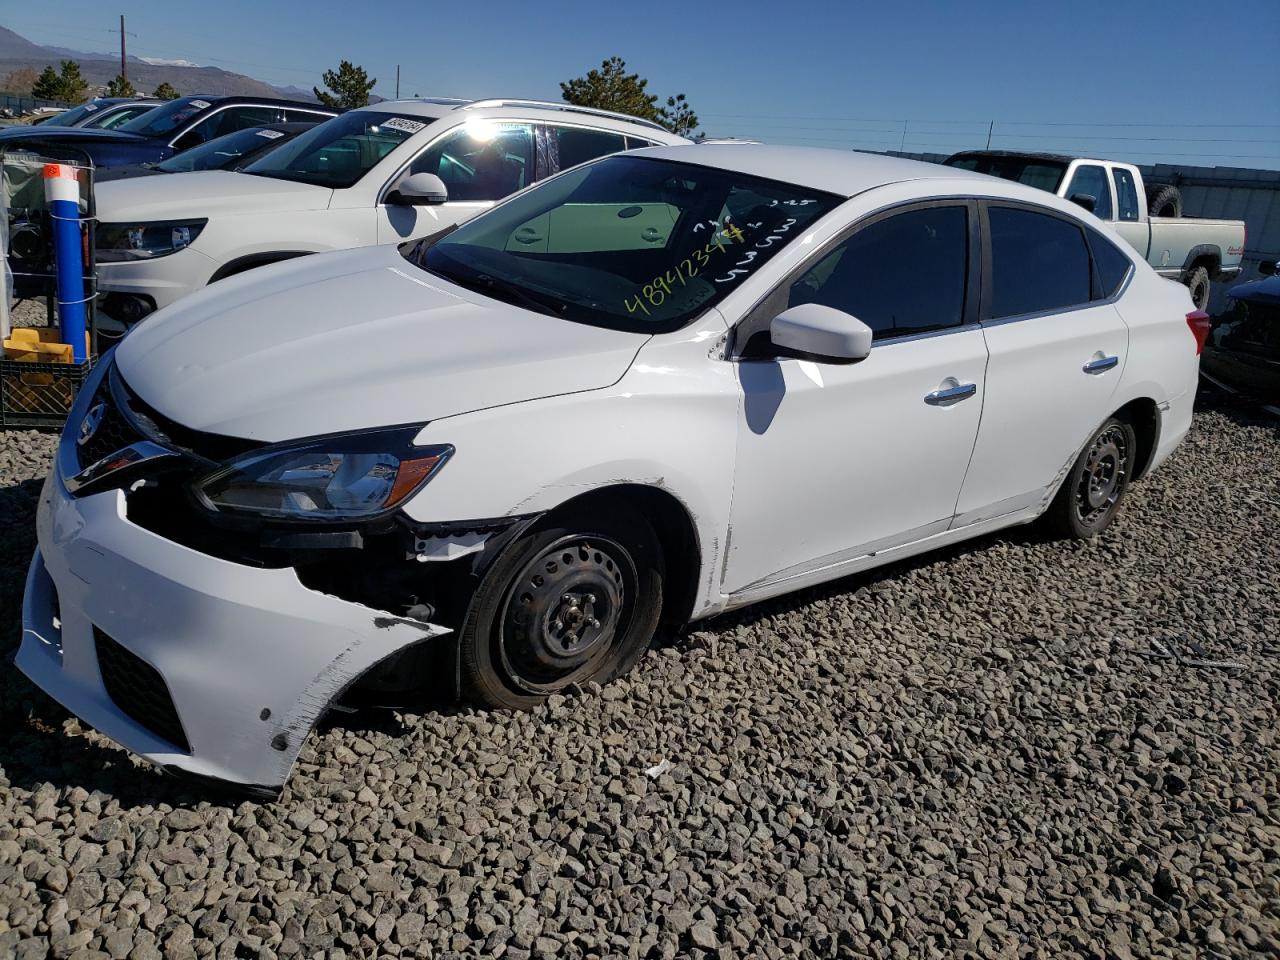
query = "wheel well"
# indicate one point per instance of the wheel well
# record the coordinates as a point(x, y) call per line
point(676, 533)
point(1211, 260)
point(241, 264)
point(1143, 415)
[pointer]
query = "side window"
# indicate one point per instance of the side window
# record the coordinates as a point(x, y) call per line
point(635, 143)
point(575, 145)
point(904, 274)
point(227, 121)
point(483, 160)
point(1113, 266)
point(1038, 262)
point(1092, 181)
point(1126, 194)
point(305, 116)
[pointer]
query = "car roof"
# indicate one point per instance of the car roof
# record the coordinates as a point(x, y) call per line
point(842, 172)
point(269, 101)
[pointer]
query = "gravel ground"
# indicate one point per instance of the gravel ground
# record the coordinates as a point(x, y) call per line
point(981, 753)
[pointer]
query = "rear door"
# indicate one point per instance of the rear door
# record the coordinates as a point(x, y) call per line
point(1057, 349)
point(1130, 223)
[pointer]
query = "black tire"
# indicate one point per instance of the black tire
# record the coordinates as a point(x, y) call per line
point(1091, 493)
point(1164, 200)
point(1197, 281)
point(575, 600)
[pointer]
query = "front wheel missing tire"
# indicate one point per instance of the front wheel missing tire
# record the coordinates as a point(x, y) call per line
point(573, 601)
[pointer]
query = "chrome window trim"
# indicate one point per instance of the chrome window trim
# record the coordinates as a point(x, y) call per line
point(214, 113)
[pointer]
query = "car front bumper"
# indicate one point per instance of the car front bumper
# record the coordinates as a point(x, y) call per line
point(162, 279)
point(249, 658)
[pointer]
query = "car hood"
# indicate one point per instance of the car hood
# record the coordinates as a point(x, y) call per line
point(203, 194)
point(65, 134)
point(354, 340)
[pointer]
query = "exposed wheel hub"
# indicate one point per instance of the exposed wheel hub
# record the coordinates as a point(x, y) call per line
point(565, 612)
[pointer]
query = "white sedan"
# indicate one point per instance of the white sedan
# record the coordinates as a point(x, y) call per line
point(654, 388)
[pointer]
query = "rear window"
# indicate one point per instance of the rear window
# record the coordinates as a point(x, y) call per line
point(1113, 266)
point(1039, 263)
point(1040, 172)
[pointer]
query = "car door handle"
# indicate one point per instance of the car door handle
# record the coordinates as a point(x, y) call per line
point(950, 395)
point(1101, 364)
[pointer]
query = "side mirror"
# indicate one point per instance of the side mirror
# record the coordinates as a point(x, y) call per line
point(1085, 200)
point(824, 334)
point(1268, 268)
point(419, 190)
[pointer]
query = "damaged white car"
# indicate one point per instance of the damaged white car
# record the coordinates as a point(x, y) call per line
point(653, 388)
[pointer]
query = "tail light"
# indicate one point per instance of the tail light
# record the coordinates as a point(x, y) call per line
point(1199, 323)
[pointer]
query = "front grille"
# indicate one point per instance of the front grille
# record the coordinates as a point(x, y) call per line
point(113, 433)
point(138, 690)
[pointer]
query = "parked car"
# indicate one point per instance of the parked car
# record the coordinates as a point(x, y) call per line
point(101, 113)
point(353, 181)
point(1195, 252)
point(232, 151)
point(655, 387)
point(159, 133)
point(1243, 351)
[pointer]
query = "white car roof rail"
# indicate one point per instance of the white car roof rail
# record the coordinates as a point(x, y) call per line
point(566, 107)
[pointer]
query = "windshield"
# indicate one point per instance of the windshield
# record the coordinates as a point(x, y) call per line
point(340, 151)
point(1038, 172)
point(117, 116)
point(69, 118)
point(221, 152)
point(630, 243)
point(163, 119)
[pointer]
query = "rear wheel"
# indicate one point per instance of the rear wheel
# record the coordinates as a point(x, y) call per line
point(1090, 496)
point(575, 601)
point(1197, 282)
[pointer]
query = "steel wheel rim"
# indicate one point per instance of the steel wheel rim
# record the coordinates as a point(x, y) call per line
point(1102, 479)
point(565, 613)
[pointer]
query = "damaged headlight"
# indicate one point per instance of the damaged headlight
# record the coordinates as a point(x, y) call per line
point(341, 477)
point(145, 241)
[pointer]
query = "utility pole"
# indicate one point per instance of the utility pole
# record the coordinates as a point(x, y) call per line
point(124, 61)
point(989, 129)
point(397, 81)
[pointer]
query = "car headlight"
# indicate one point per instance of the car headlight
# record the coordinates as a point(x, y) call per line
point(333, 478)
point(144, 241)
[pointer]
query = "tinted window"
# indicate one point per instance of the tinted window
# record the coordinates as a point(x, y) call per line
point(484, 160)
point(1040, 172)
point(635, 143)
point(1038, 262)
point(222, 152)
point(1092, 182)
point(1126, 194)
point(117, 118)
point(577, 145)
point(904, 274)
point(227, 121)
point(167, 117)
point(1113, 265)
point(305, 116)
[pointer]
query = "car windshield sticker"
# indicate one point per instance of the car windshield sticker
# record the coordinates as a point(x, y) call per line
point(270, 134)
point(403, 124)
point(199, 104)
point(653, 294)
point(91, 107)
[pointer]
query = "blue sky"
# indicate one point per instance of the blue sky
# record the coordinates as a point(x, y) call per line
point(1144, 82)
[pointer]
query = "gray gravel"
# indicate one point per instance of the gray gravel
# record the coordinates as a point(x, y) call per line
point(977, 754)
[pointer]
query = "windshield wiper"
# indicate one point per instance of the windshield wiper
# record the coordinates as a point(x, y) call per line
point(511, 292)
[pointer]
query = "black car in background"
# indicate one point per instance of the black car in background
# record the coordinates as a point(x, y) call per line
point(160, 133)
point(232, 151)
point(1243, 349)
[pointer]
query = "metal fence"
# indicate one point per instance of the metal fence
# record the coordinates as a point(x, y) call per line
point(11, 104)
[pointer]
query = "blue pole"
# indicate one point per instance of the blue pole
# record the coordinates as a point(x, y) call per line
point(62, 191)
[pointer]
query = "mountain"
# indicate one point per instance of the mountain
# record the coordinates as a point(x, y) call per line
point(99, 69)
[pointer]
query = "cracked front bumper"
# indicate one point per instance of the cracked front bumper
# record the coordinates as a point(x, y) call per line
point(249, 658)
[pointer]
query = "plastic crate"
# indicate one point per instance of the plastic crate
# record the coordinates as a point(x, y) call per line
point(39, 394)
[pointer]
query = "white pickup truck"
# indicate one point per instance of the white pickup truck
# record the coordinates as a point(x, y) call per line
point(1190, 250)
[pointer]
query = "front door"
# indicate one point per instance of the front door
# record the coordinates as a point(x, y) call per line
point(480, 162)
point(1057, 352)
point(838, 461)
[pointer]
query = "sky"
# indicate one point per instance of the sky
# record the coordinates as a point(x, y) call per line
point(1129, 81)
